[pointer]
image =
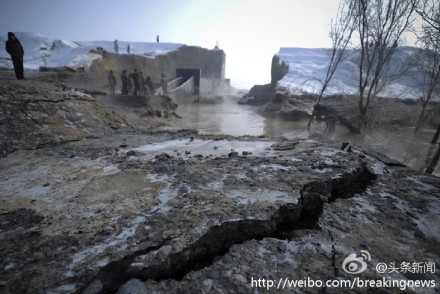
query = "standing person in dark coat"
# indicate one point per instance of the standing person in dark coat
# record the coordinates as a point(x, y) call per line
point(142, 83)
point(149, 85)
point(124, 79)
point(14, 48)
point(112, 81)
point(136, 82)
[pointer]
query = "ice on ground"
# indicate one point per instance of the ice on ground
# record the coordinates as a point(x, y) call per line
point(187, 147)
point(429, 222)
point(425, 186)
point(364, 204)
point(329, 152)
point(379, 168)
point(401, 204)
point(274, 167)
point(111, 169)
point(246, 197)
point(119, 239)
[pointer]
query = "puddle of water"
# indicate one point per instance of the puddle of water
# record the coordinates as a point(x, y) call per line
point(233, 119)
point(228, 118)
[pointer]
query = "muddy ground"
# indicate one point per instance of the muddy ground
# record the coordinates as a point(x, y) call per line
point(107, 206)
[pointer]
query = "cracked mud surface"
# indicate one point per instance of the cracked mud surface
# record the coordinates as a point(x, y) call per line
point(73, 216)
point(98, 207)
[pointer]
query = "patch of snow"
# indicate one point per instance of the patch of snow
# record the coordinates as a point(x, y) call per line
point(328, 152)
point(119, 239)
point(246, 197)
point(111, 169)
point(401, 204)
point(205, 147)
point(323, 170)
point(273, 167)
point(80, 94)
point(164, 196)
point(418, 181)
point(103, 262)
point(330, 162)
point(379, 168)
point(364, 204)
point(295, 159)
point(158, 177)
point(429, 222)
point(16, 185)
point(34, 192)
point(306, 243)
point(66, 288)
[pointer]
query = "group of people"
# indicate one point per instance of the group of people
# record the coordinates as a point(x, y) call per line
point(133, 83)
point(116, 47)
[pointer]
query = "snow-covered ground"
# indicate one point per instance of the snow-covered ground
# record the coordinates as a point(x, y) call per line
point(43, 51)
point(308, 67)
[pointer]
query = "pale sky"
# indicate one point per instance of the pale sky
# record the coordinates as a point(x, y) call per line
point(249, 31)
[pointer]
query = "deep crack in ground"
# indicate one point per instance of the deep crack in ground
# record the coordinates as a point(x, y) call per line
point(220, 238)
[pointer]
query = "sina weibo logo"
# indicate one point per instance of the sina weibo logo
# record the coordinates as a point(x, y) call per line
point(356, 264)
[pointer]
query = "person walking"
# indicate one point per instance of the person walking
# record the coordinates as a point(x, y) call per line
point(128, 48)
point(14, 48)
point(124, 79)
point(112, 81)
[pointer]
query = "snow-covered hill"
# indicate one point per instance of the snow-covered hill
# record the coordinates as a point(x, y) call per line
point(43, 51)
point(307, 70)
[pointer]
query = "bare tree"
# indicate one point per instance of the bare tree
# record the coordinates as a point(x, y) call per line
point(380, 26)
point(431, 167)
point(341, 30)
point(429, 10)
point(429, 39)
point(429, 63)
